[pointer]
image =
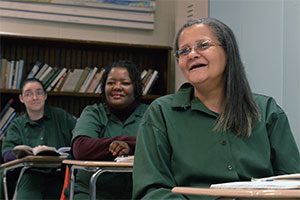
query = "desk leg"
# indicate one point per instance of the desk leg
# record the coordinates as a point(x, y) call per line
point(19, 179)
point(5, 184)
point(72, 183)
point(94, 178)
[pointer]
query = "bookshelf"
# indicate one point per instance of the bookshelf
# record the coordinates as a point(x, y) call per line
point(74, 54)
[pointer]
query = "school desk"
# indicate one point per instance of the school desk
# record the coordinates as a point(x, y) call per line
point(97, 168)
point(241, 193)
point(26, 163)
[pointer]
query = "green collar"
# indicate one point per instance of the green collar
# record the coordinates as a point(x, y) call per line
point(46, 116)
point(184, 99)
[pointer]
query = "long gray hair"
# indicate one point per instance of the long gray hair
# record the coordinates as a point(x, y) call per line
point(240, 111)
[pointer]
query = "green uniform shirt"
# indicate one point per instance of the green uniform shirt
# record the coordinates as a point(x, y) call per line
point(176, 146)
point(96, 122)
point(54, 129)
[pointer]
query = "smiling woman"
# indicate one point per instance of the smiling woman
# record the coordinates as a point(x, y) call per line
point(40, 125)
point(238, 134)
point(108, 129)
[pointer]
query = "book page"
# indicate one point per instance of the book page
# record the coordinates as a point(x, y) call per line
point(280, 177)
point(64, 151)
point(282, 184)
point(21, 151)
point(43, 150)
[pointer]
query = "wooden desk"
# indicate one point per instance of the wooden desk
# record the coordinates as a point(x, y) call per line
point(240, 193)
point(97, 168)
point(26, 163)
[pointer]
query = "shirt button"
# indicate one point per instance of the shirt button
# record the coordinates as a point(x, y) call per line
point(224, 142)
point(229, 167)
point(41, 138)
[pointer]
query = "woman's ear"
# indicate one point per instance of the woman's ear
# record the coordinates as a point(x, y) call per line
point(21, 98)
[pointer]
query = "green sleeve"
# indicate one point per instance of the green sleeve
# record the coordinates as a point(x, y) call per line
point(152, 177)
point(285, 154)
point(91, 121)
point(12, 137)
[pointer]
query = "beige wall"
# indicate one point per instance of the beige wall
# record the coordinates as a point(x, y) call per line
point(162, 35)
point(185, 10)
point(169, 15)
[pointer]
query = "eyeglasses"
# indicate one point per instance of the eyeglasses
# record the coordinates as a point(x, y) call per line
point(38, 93)
point(199, 46)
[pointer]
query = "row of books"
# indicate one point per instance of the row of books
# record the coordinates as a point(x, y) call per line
point(149, 78)
point(87, 80)
point(7, 114)
point(11, 73)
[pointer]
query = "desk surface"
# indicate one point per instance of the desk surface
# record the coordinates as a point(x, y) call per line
point(98, 163)
point(246, 193)
point(35, 159)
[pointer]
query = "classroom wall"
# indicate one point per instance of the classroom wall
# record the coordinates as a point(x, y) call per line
point(268, 35)
point(161, 35)
point(267, 31)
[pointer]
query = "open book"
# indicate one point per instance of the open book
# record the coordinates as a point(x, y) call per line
point(24, 150)
point(288, 181)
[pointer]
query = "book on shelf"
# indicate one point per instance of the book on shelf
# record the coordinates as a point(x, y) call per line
point(82, 79)
point(6, 107)
point(62, 81)
point(95, 82)
point(3, 72)
point(6, 124)
point(88, 79)
point(34, 69)
point(6, 116)
point(147, 76)
point(20, 75)
point(15, 75)
point(288, 181)
point(98, 89)
point(46, 74)
point(7, 71)
point(51, 77)
point(41, 71)
point(143, 74)
point(21, 151)
point(56, 80)
point(11, 75)
point(150, 83)
point(72, 80)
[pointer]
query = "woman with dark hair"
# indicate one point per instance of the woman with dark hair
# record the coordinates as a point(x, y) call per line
point(40, 125)
point(214, 129)
point(108, 129)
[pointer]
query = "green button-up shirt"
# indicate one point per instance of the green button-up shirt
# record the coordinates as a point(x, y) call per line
point(96, 122)
point(54, 129)
point(176, 146)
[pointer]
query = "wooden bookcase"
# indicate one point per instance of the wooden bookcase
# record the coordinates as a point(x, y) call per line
point(79, 54)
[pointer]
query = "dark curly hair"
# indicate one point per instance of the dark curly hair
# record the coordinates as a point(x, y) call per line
point(134, 75)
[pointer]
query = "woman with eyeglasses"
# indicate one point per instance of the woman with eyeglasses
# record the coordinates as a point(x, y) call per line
point(108, 129)
point(40, 125)
point(213, 129)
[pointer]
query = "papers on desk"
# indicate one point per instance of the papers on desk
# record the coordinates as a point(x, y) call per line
point(126, 159)
point(290, 181)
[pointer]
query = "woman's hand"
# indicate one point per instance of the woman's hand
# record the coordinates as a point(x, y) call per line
point(119, 148)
